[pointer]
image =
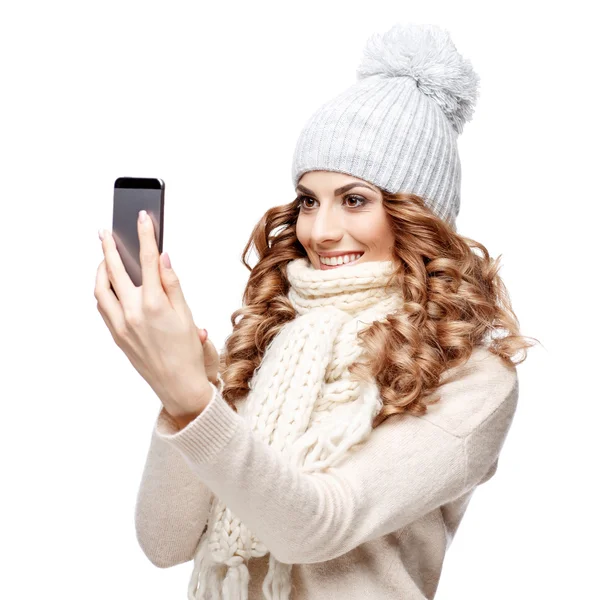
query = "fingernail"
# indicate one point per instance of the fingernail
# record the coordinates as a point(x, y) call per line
point(143, 215)
point(101, 234)
point(205, 333)
point(166, 260)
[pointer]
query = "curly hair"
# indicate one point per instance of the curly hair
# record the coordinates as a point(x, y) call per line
point(454, 300)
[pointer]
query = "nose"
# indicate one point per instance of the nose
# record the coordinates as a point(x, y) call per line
point(327, 226)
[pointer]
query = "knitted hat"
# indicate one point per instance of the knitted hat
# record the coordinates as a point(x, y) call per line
point(397, 126)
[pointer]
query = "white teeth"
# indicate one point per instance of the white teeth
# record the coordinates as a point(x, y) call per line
point(340, 260)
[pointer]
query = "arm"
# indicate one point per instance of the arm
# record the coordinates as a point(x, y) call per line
point(172, 504)
point(408, 467)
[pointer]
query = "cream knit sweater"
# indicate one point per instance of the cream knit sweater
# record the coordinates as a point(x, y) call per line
point(376, 524)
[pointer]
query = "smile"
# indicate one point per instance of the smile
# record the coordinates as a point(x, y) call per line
point(339, 261)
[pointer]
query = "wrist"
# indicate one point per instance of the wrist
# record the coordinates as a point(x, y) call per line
point(183, 422)
point(201, 401)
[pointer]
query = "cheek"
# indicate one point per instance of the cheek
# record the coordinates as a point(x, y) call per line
point(377, 236)
point(302, 231)
point(372, 231)
point(383, 230)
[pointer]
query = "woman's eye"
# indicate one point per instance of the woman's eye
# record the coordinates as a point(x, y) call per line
point(354, 201)
point(358, 199)
point(302, 199)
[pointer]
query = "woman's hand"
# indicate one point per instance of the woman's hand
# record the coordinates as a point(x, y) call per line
point(153, 325)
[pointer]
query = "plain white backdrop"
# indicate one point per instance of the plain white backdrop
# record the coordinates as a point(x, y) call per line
point(211, 97)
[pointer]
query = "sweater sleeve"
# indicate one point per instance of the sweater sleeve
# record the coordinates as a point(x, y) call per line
point(406, 468)
point(172, 504)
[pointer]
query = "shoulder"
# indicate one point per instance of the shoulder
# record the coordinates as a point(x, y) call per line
point(483, 389)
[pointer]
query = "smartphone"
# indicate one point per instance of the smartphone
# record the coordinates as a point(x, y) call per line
point(132, 194)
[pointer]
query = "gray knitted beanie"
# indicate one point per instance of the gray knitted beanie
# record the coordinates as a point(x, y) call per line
point(397, 126)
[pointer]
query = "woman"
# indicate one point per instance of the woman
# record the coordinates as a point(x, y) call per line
point(360, 401)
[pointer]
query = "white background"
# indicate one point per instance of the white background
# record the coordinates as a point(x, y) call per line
point(211, 97)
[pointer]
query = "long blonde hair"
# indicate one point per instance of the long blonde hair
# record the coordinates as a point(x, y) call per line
point(454, 300)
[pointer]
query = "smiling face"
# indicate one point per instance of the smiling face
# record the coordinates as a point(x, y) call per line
point(341, 214)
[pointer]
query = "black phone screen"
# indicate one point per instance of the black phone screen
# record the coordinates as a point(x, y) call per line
point(132, 194)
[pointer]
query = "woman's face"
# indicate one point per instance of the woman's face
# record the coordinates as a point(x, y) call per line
point(341, 214)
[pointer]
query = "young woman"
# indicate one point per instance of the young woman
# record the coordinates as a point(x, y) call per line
point(364, 393)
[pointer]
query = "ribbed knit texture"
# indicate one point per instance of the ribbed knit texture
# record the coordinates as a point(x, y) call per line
point(397, 126)
point(303, 403)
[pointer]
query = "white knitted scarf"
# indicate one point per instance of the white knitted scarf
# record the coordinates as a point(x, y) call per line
point(304, 377)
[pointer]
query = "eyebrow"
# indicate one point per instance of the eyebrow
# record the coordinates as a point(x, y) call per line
point(337, 192)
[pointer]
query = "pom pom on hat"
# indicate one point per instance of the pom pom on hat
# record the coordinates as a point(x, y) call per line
point(427, 54)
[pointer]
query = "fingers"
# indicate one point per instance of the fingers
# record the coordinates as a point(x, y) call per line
point(158, 279)
point(115, 336)
point(149, 256)
point(115, 270)
point(109, 306)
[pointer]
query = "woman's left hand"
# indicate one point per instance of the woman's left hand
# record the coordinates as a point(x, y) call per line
point(153, 325)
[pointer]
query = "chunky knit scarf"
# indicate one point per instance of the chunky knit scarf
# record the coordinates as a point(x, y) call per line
point(304, 377)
